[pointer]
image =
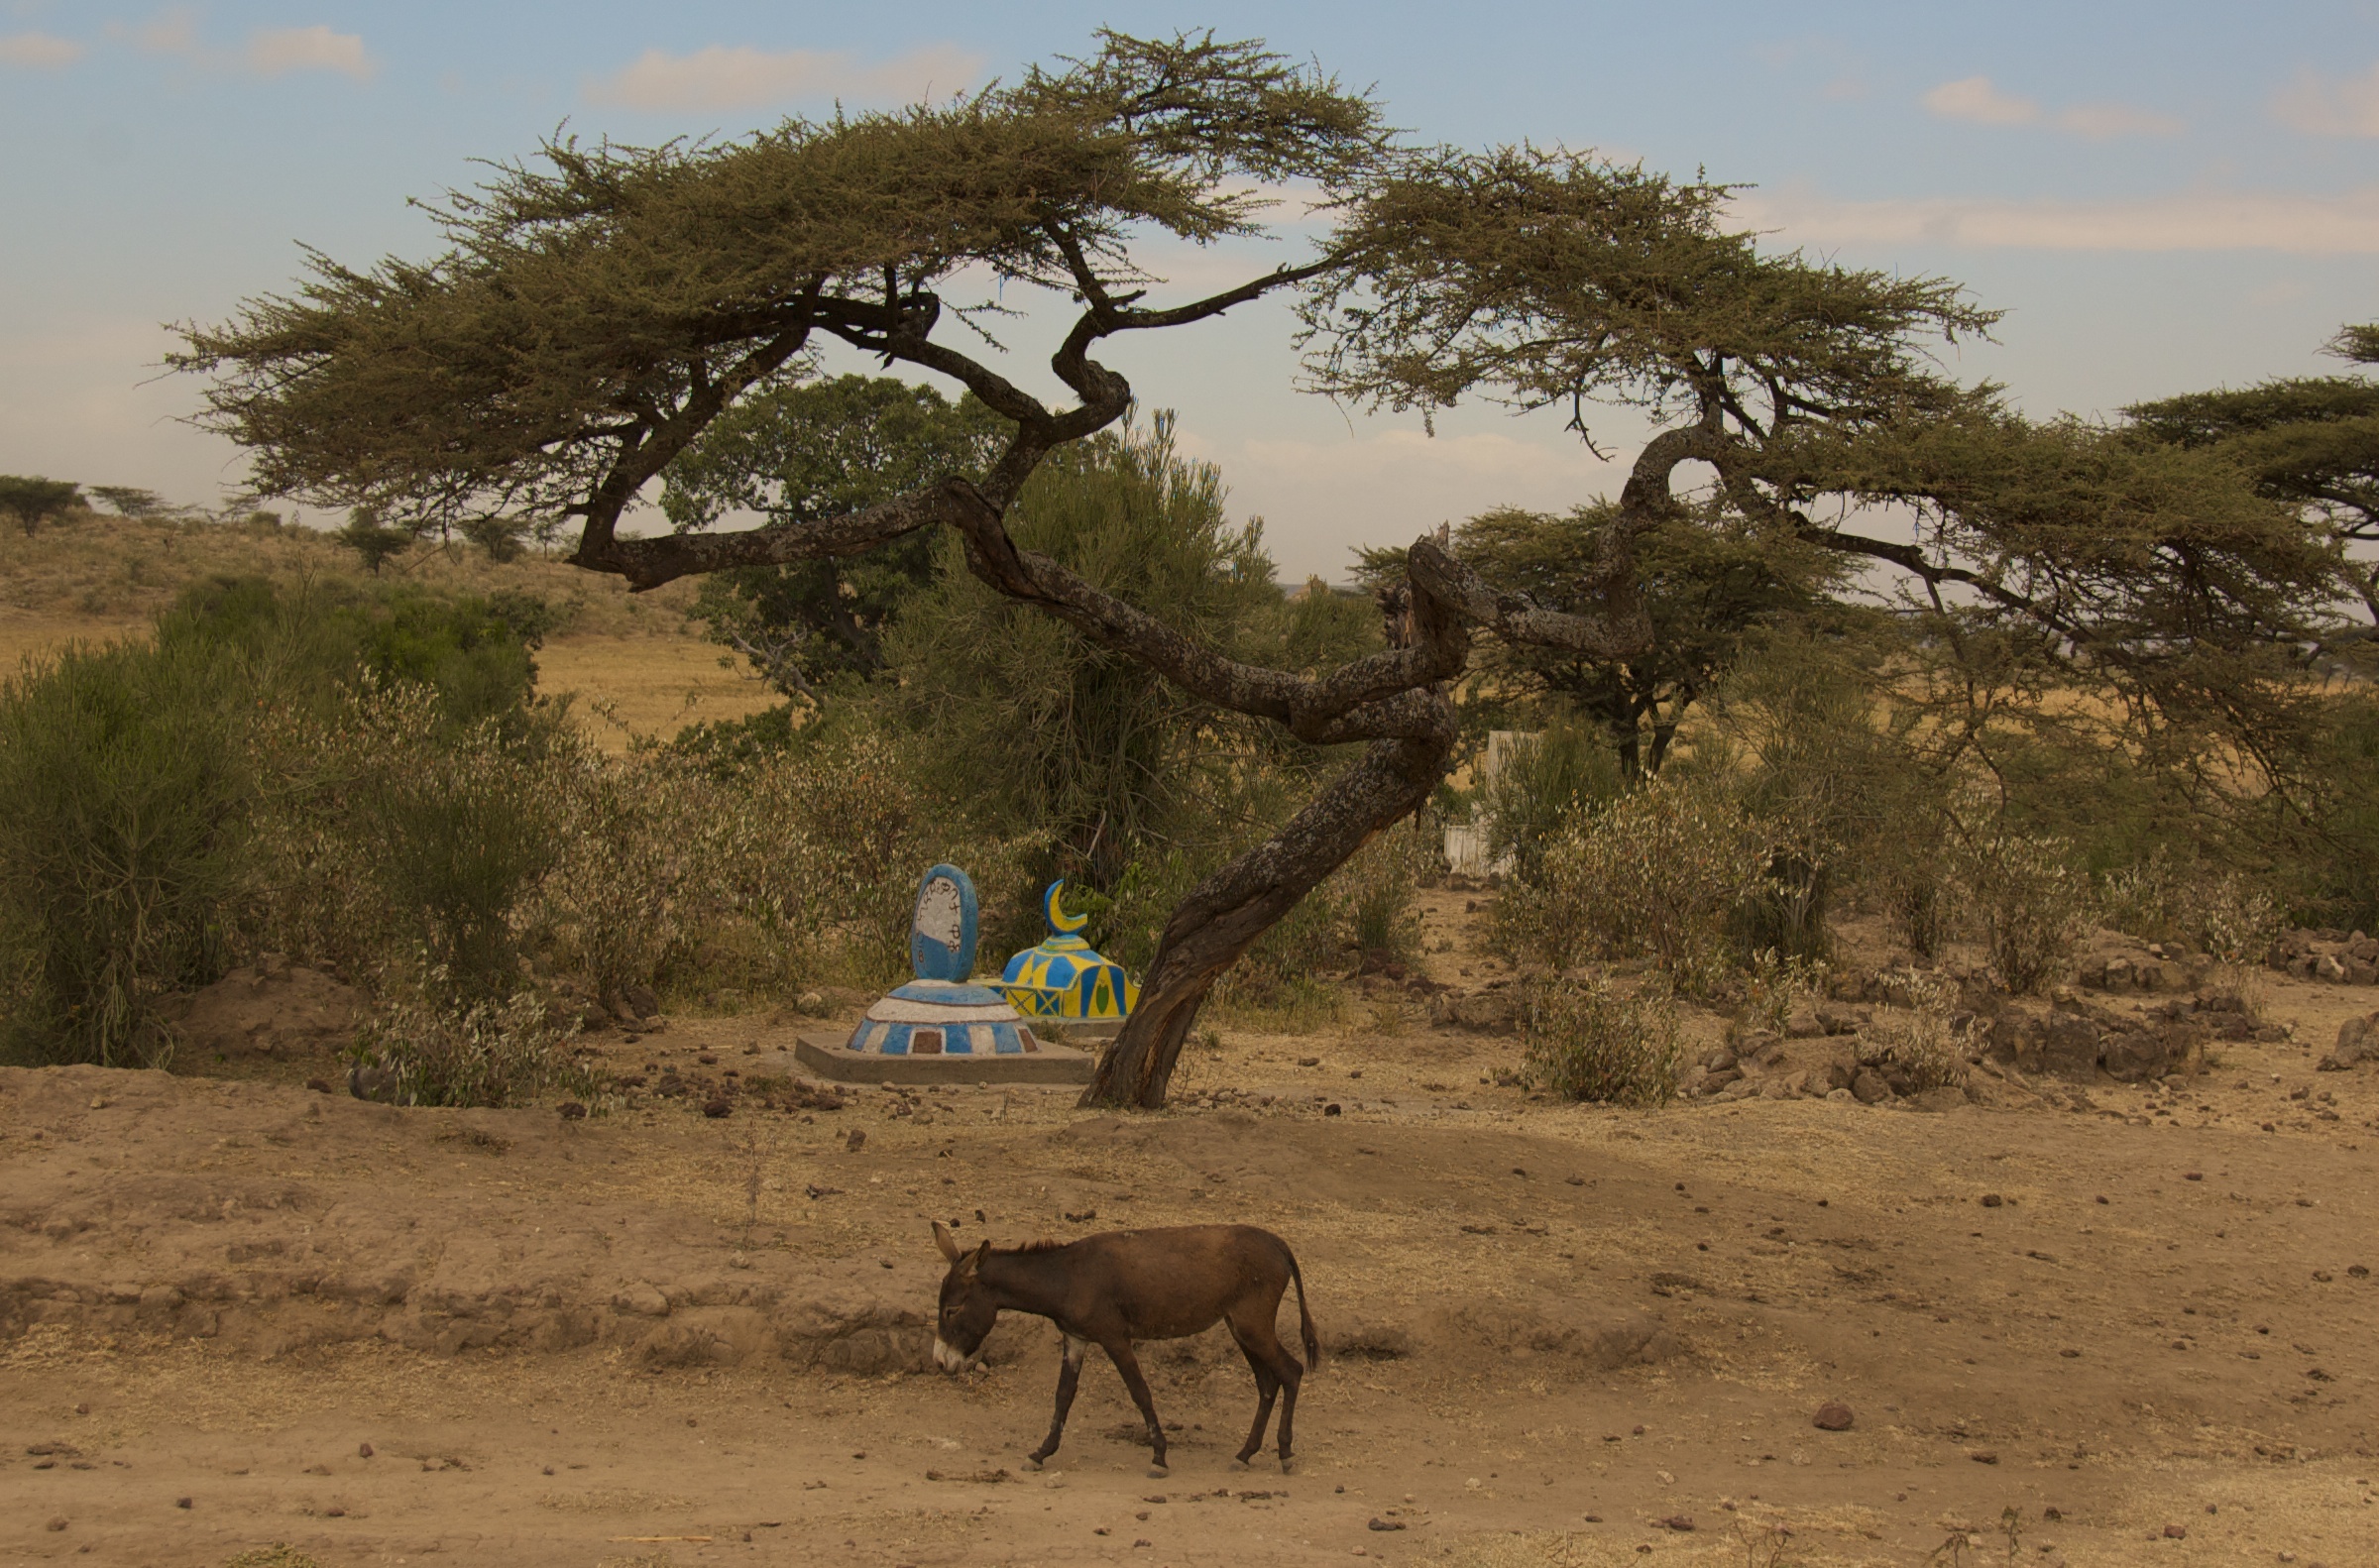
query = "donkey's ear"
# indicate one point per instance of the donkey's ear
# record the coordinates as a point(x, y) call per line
point(974, 1259)
point(945, 1241)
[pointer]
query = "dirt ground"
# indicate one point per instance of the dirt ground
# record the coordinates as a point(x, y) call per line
point(2126, 1326)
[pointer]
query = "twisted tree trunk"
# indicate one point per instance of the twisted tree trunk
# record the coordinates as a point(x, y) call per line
point(1224, 915)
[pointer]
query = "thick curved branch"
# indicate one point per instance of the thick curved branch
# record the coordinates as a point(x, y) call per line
point(1623, 632)
point(1313, 709)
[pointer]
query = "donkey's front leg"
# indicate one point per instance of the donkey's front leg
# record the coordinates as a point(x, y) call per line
point(1120, 1352)
point(1069, 1375)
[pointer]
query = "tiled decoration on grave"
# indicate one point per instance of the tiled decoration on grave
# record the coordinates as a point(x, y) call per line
point(1063, 978)
point(942, 1012)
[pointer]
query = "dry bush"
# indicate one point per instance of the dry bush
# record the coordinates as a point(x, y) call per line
point(1919, 1043)
point(1661, 873)
point(2222, 913)
point(1586, 1040)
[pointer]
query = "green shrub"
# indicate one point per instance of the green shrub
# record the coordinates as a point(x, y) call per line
point(126, 798)
point(427, 1049)
point(1661, 873)
point(1538, 783)
point(1586, 1040)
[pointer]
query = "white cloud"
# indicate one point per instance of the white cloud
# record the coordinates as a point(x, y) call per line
point(2306, 225)
point(273, 51)
point(172, 31)
point(2320, 106)
point(2099, 121)
point(42, 51)
point(1975, 98)
point(743, 78)
point(1976, 101)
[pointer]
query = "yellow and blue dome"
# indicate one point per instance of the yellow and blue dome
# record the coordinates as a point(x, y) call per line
point(1063, 978)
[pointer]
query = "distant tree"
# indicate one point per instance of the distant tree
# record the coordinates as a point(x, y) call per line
point(1709, 583)
point(500, 539)
point(801, 451)
point(373, 540)
point(2310, 441)
point(126, 501)
point(33, 501)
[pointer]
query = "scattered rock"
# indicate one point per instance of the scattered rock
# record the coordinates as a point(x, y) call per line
point(1832, 1416)
point(641, 1001)
point(856, 1141)
point(1993, 1200)
point(2357, 1043)
point(1387, 1525)
point(716, 1107)
point(1983, 1456)
point(571, 1111)
point(57, 1522)
point(1677, 1521)
point(2176, 1533)
point(1869, 1088)
point(810, 1005)
point(363, 1450)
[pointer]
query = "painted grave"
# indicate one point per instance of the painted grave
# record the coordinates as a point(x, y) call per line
point(941, 1026)
point(1063, 979)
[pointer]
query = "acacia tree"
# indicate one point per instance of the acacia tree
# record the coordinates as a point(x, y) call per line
point(1800, 400)
point(593, 314)
point(2310, 441)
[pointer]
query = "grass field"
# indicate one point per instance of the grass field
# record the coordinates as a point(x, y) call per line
point(631, 662)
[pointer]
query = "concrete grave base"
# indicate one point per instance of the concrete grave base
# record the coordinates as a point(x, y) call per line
point(1049, 1065)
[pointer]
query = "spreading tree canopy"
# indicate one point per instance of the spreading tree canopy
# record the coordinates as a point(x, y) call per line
point(2310, 441)
point(594, 313)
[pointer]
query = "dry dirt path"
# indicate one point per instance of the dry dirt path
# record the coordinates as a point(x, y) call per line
point(606, 1342)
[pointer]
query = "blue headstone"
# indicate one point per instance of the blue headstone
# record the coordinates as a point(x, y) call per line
point(942, 933)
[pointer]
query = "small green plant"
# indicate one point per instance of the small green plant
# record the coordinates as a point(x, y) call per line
point(1586, 1040)
point(427, 1050)
point(1920, 1044)
point(2034, 902)
point(1775, 985)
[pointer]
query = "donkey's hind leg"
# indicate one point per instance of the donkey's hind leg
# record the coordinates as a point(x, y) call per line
point(1069, 1375)
point(1277, 1372)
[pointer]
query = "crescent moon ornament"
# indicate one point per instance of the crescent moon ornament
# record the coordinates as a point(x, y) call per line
point(1063, 924)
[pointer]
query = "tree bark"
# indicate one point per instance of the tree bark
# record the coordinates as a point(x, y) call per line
point(1224, 915)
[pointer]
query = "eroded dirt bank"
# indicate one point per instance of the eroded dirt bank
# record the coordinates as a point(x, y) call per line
point(595, 1341)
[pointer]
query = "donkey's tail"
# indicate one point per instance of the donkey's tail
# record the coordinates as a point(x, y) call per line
point(1304, 1317)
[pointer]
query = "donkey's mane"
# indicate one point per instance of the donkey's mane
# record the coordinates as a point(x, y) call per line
point(1045, 1243)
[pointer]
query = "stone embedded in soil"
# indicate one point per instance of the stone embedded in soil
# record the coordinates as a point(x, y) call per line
point(856, 1141)
point(1832, 1416)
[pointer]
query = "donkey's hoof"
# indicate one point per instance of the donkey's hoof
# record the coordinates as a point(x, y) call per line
point(1031, 1461)
point(1239, 1462)
point(1158, 1471)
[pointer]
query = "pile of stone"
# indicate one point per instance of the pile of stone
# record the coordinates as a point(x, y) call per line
point(2342, 958)
point(2076, 1039)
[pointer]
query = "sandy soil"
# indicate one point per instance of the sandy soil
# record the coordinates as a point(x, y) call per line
point(1558, 1333)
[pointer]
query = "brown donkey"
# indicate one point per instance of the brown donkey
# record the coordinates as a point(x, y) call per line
point(1125, 1284)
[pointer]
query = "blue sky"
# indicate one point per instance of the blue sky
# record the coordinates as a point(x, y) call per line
point(2163, 196)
